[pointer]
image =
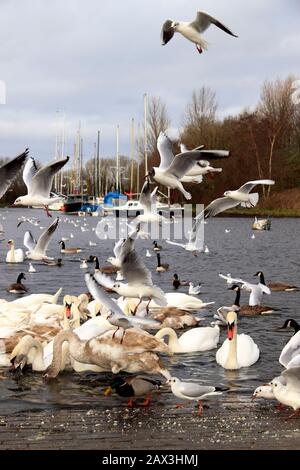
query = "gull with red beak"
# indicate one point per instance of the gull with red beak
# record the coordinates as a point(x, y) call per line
point(237, 350)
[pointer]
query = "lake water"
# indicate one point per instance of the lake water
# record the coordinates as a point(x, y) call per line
point(274, 252)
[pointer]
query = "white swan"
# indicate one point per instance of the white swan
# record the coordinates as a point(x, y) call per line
point(196, 339)
point(237, 350)
point(14, 255)
point(183, 301)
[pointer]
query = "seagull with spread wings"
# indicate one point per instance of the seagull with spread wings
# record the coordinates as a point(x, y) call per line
point(139, 281)
point(39, 182)
point(192, 30)
point(199, 169)
point(170, 172)
point(9, 171)
point(241, 196)
point(37, 249)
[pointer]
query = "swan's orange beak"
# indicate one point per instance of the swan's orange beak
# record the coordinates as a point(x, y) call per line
point(68, 311)
point(230, 331)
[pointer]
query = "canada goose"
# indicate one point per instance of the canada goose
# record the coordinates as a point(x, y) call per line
point(156, 247)
point(104, 269)
point(14, 255)
point(248, 309)
point(161, 268)
point(276, 286)
point(53, 262)
point(177, 282)
point(18, 287)
point(68, 250)
point(237, 350)
point(134, 387)
point(290, 323)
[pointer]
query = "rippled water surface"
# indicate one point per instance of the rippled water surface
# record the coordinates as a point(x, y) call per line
point(276, 253)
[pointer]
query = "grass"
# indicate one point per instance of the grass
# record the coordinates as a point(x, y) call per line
point(258, 211)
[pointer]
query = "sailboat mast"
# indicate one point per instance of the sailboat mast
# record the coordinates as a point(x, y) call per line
point(98, 164)
point(118, 159)
point(138, 159)
point(146, 132)
point(132, 155)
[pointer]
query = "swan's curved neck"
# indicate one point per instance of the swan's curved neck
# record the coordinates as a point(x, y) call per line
point(34, 351)
point(173, 342)
point(76, 347)
point(12, 250)
point(231, 362)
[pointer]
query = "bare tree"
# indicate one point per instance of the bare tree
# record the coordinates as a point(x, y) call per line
point(276, 110)
point(200, 118)
point(157, 121)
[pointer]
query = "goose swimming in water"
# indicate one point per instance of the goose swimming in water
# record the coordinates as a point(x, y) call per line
point(18, 287)
point(161, 267)
point(68, 250)
point(248, 309)
point(276, 286)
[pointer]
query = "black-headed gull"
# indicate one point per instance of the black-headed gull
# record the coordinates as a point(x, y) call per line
point(37, 249)
point(192, 391)
point(39, 182)
point(234, 198)
point(192, 30)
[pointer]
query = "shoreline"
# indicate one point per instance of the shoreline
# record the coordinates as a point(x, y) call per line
point(233, 425)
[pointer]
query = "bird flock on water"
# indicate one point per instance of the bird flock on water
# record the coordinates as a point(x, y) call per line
point(123, 322)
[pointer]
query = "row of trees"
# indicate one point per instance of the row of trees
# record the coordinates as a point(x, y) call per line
point(264, 143)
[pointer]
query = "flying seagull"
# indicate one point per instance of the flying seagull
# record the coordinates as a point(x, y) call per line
point(192, 30)
point(9, 171)
point(37, 250)
point(39, 182)
point(170, 173)
point(232, 199)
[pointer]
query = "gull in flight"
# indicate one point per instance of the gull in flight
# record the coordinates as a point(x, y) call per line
point(200, 168)
point(234, 198)
point(9, 171)
point(139, 279)
point(37, 249)
point(196, 238)
point(169, 174)
point(192, 30)
point(39, 182)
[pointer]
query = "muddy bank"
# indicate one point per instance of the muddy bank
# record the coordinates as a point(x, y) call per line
point(223, 425)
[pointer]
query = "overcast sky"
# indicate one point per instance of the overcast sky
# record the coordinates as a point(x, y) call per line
point(93, 60)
